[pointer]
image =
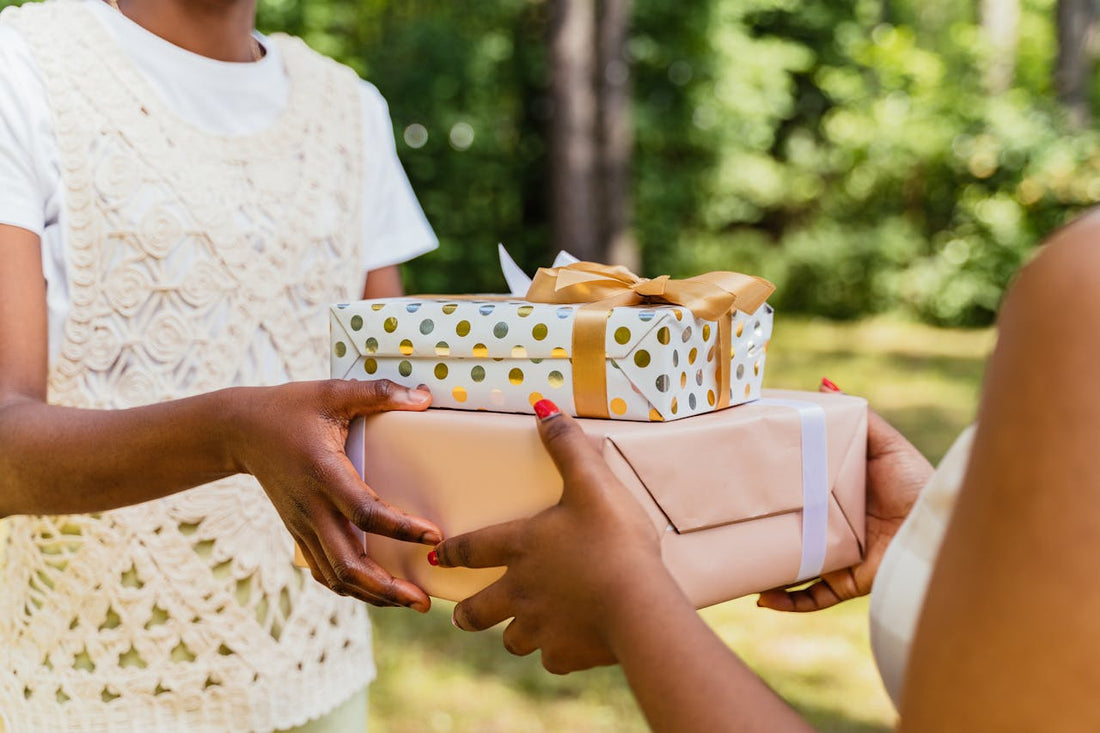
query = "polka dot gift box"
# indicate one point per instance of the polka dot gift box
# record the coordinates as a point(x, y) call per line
point(643, 359)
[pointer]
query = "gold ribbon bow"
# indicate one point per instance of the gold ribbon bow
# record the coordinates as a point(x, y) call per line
point(710, 296)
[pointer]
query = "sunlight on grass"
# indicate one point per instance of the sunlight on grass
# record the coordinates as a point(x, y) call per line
point(433, 679)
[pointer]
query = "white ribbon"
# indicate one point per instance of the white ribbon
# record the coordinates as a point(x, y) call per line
point(815, 484)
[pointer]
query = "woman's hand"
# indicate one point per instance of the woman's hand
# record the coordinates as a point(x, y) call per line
point(572, 568)
point(291, 438)
point(896, 473)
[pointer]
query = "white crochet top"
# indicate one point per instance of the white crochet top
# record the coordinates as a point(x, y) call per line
point(193, 258)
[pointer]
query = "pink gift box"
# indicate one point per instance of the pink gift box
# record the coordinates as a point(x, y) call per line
point(750, 498)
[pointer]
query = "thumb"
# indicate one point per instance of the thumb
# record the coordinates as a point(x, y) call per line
point(581, 466)
point(352, 398)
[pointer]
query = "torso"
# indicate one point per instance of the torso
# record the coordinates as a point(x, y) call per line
point(195, 262)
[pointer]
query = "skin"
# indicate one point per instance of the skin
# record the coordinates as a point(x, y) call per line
point(1008, 634)
point(114, 458)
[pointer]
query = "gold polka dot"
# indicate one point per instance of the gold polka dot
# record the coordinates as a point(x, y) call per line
point(618, 406)
point(481, 350)
point(519, 352)
point(405, 368)
point(559, 353)
point(341, 349)
point(370, 366)
point(555, 379)
point(641, 358)
point(740, 328)
point(478, 374)
point(693, 355)
point(622, 335)
point(406, 347)
point(748, 388)
point(711, 399)
point(515, 376)
point(390, 325)
point(372, 345)
point(655, 416)
point(356, 322)
point(462, 328)
point(683, 379)
point(539, 332)
point(442, 349)
point(459, 393)
point(534, 397)
point(441, 371)
point(377, 306)
point(710, 354)
point(675, 406)
point(706, 332)
point(756, 369)
point(679, 315)
point(450, 308)
point(664, 335)
point(525, 310)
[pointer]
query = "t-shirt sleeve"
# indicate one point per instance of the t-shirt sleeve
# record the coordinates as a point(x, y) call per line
point(24, 129)
point(395, 229)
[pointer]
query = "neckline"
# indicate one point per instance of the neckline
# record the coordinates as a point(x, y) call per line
point(132, 78)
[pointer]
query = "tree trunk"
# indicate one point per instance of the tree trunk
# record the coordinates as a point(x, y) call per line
point(1076, 21)
point(574, 221)
point(616, 135)
point(1000, 24)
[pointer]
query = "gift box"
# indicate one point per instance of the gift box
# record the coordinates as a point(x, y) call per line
point(747, 499)
point(597, 340)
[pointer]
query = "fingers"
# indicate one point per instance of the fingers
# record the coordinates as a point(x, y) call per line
point(578, 461)
point(351, 398)
point(882, 437)
point(486, 548)
point(484, 609)
point(350, 572)
point(367, 511)
point(519, 639)
point(815, 597)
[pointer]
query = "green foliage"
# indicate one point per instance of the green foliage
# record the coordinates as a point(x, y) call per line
point(847, 150)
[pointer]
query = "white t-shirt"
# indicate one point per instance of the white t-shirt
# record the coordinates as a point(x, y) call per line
point(223, 98)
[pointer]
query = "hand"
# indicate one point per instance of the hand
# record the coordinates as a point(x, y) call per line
point(896, 473)
point(570, 568)
point(291, 438)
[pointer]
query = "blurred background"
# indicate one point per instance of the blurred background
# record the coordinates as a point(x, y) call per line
point(889, 164)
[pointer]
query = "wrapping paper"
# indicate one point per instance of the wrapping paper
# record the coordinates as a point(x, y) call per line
point(725, 489)
point(503, 355)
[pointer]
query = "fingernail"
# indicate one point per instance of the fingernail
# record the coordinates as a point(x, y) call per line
point(828, 384)
point(419, 607)
point(417, 396)
point(545, 409)
point(433, 559)
point(431, 538)
point(454, 622)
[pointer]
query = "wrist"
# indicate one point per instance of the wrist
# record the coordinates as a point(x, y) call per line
point(233, 416)
point(644, 602)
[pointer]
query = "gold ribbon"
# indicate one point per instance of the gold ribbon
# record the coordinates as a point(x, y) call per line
point(601, 288)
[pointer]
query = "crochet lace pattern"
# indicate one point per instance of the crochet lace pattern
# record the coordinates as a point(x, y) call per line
point(196, 262)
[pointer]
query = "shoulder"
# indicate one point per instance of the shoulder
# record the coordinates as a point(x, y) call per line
point(1064, 273)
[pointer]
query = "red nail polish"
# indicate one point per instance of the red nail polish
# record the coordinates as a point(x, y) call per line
point(828, 384)
point(545, 409)
point(433, 559)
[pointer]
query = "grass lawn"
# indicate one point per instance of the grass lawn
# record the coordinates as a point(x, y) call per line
point(433, 678)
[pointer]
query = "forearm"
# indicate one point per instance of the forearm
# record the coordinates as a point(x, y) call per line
point(60, 460)
point(683, 675)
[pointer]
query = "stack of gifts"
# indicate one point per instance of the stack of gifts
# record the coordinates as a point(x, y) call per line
point(762, 495)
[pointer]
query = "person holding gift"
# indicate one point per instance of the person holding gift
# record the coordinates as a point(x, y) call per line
point(180, 200)
point(993, 556)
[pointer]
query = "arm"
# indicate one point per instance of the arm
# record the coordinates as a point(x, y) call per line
point(385, 282)
point(1008, 635)
point(56, 460)
point(585, 583)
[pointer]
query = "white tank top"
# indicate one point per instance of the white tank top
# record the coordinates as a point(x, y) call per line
point(902, 579)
